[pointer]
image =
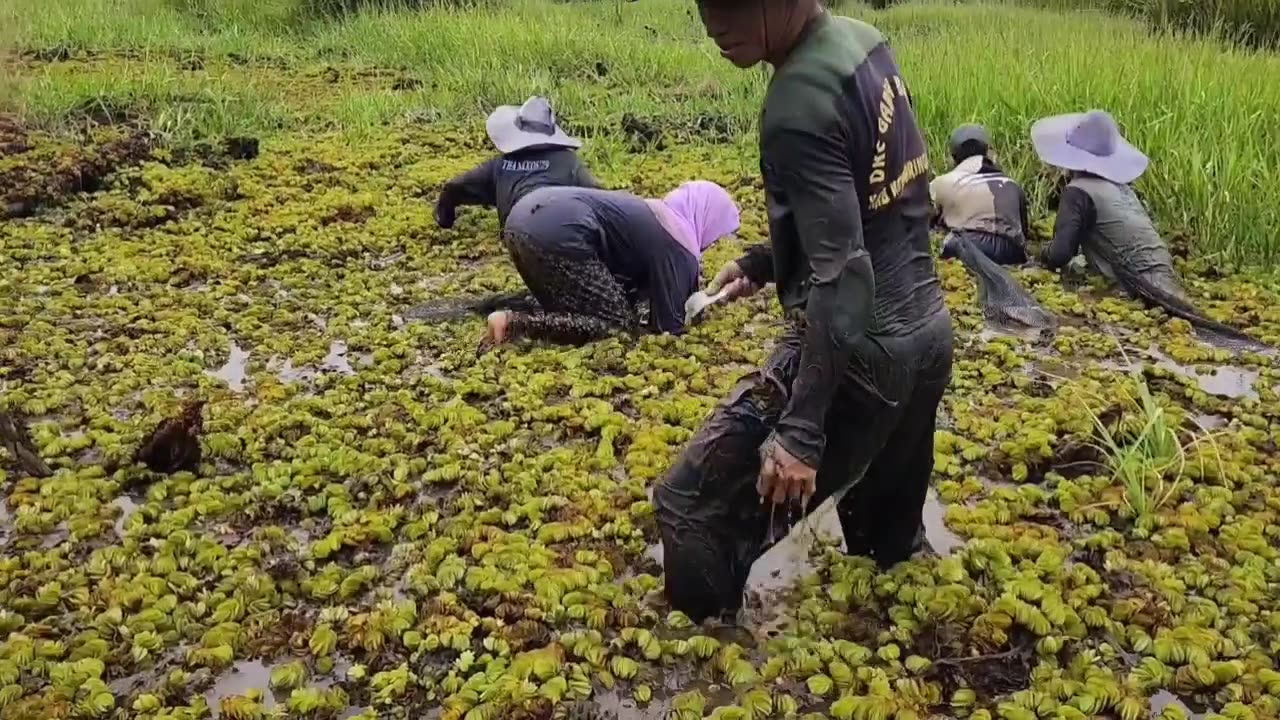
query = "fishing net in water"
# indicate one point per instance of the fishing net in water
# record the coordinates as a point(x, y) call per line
point(1004, 302)
point(460, 307)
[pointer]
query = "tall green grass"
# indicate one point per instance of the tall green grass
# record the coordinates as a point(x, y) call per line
point(1205, 113)
point(1249, 23)
point(1254, 23)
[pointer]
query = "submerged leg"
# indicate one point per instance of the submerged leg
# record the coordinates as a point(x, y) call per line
point(712, 522)
point(581, 300)
point(882, 515)
point(714, 525)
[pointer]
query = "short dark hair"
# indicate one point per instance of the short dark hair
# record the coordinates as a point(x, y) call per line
point(968, 149)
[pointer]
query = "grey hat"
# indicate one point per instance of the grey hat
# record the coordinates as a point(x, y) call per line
point(1088, 142)
point(514, 128)
point(966, 134)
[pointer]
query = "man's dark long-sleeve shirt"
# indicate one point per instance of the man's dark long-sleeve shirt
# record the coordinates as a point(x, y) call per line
point(502, 181)
point(846, 178)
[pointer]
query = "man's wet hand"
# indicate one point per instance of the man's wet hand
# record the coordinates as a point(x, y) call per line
point(784, 477)
point(729, 273)
point(742, 287)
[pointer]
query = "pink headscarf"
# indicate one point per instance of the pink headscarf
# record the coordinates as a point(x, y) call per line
point(697, 214)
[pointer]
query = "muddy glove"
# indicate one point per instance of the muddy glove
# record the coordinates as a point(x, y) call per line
point(732, 282)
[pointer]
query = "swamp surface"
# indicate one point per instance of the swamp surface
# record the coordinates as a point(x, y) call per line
point(384, 525)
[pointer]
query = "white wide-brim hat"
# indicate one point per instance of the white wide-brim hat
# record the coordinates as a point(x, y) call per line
point(513, 128)
point(1088, 142)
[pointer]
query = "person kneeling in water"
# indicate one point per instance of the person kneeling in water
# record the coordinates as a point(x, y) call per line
point(589, 255)
point(976, 201)
point(1101, 216)
point(536, 153)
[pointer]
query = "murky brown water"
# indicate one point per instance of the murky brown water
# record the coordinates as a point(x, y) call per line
point(239, 679)
point(234, 371)
point(128, 506)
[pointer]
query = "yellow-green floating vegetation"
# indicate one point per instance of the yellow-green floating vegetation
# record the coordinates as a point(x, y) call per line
point(380, 525)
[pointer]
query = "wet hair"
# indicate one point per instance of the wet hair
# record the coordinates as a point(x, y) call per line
point(968, 149)
point(967, 141)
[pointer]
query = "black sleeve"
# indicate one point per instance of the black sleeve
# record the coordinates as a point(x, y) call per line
point(757, 263)
point(671, 281)
point(1025, 216)
point(584, 178)
point(1076, 216)
point(814, 175)
point(474, 187)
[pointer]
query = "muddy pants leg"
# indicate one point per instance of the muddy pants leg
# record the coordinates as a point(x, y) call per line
point(707, 506)
point(881, 515)
point(581, 299)
point(713, 524)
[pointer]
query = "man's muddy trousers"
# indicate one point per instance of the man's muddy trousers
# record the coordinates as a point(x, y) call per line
point(878, 453)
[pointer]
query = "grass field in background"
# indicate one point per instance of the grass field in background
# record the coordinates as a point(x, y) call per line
point(1203, 112)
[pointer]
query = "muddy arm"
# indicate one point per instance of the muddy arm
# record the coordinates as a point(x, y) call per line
point(1075, 217)
point(670, 285)
point(584, 178)
point(757, 263)
point(819, 185)
point(474, 187)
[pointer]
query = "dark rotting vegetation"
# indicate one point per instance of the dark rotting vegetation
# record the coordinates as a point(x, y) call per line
point(43, 172)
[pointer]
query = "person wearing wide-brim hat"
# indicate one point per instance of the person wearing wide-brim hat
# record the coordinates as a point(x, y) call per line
point(535, 153)
point(1101, 216)
point(1099, 213)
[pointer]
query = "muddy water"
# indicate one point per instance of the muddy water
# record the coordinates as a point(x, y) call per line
point(336, 360)
point(288, 374)
point(1210, 421)
point(128, 506)
point(1164, 699)
point(1225, 380)
point(620, 705)
point(242, 677)
point(1228, 381)
point(248, 675)
point(940, 538)
point(234, 371)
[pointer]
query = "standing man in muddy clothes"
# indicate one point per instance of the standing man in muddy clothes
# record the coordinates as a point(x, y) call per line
point(845, 405)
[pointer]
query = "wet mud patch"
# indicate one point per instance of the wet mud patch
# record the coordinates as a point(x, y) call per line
point(990, 675)
point(39, 171)
point(445, 488)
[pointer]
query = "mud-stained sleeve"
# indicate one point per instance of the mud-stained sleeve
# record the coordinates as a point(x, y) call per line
point(474, 187)
point(1075, 218)
point(757, 263)
point(1024, 215)
point(671, 281)
point(585, 179)
point(813, 172)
